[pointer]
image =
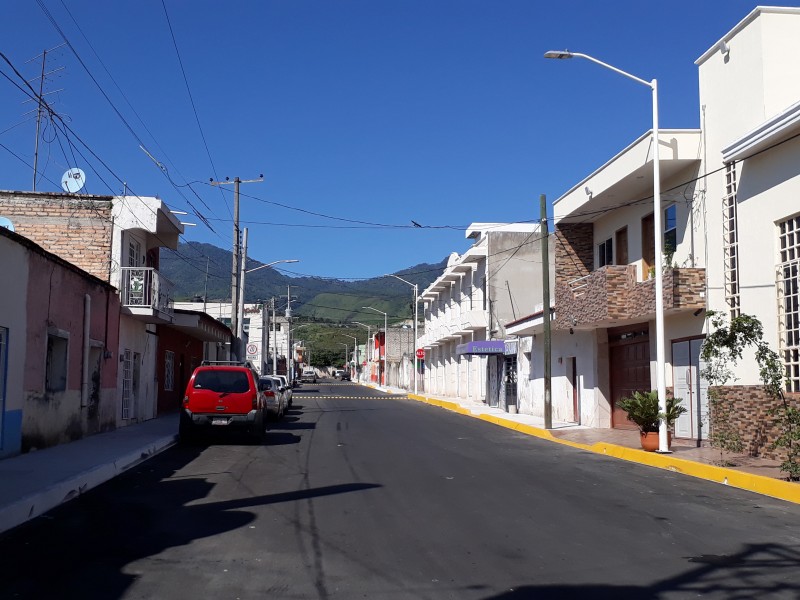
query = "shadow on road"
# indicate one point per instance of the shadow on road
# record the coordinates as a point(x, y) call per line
point(757, 571)
point(83, 549)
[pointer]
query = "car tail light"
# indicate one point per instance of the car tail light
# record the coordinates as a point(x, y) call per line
point(255, 401)
point(186, 400)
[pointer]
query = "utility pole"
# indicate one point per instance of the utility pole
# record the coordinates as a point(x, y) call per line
point(544, 233)
point(274, 339)
point(235, 261)
point(289, 354)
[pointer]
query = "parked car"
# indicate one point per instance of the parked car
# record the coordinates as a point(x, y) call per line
point(344, 374)
point(276, 396)
point(309, 374)
point(223, 396)
point(287, 389)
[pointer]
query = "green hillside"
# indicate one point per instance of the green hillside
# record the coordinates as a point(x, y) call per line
point(314, 298)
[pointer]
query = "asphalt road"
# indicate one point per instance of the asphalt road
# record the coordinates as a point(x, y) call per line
point(361, 495)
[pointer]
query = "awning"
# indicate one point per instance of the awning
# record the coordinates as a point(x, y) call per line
point(484, 347)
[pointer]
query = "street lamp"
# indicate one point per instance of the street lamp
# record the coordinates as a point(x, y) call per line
point(385, 342)
point(240, 308)
point(663, 445)
point(416, 299)
point(355, 346)
point(366, 345)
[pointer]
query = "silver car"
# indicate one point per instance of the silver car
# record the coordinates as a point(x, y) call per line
point(287, 389)
point(276, 396)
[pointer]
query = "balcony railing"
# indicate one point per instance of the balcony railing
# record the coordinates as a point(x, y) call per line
point(145, 287)
point(612, 295)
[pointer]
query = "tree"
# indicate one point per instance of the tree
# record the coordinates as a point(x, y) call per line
point(722, 350)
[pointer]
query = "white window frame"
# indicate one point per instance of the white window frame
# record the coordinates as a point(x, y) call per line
point(127, 383)
point(788, 295)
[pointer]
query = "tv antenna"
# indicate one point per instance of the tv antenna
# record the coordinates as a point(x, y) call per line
point(41, 103)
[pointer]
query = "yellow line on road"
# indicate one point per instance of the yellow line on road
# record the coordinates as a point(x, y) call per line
point(759, 484)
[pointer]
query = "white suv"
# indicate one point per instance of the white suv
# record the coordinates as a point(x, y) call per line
point(309, 374)
point(287, 389)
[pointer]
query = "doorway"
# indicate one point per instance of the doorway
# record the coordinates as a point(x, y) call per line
point(691, 387)
point(629, 363)
point(572, 388)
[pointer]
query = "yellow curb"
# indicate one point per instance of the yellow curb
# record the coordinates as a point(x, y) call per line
point(767, 486)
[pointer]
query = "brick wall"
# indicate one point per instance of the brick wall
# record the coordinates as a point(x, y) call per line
point(76, 228)
point(613, 293)
point(751, 419)
point(574, 252)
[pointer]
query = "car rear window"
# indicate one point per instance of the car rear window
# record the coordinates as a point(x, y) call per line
point(231, 382)
point(267, 384)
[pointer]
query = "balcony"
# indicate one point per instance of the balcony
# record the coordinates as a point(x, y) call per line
point(611, 295)
point(146, 294)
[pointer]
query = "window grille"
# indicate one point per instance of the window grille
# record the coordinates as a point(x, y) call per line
point(730, 242)
point(169, 371)
point(127, 383)
point(787, 280)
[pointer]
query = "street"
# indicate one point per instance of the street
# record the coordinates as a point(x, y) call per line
point(358, 494)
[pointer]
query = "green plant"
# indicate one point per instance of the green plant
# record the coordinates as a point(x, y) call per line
point(642, 409)
point(721, 351)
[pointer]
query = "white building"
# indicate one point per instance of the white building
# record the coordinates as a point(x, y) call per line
point(731, 220)
point(496, 281)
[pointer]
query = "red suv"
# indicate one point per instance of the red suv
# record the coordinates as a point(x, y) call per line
point(223, 396)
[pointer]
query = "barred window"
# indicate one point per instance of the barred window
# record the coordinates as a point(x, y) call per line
point(169, 371)
point(788, 276)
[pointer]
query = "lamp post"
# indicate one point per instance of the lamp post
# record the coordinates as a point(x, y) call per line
point(663, 445)
point(369, 329)
point(416, 299)
point(382, 371)
point(368, 356)
point(240, 308)
point(355, 346)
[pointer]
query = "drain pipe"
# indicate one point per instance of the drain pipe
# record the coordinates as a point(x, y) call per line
point(87, 317)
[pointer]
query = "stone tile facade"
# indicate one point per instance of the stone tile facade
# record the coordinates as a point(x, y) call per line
point(751, 418)
point(76, 228)
point(612, 293)
point(574, 252)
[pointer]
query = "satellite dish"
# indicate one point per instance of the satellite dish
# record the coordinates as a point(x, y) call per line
point(73, 180)
point(6, 223)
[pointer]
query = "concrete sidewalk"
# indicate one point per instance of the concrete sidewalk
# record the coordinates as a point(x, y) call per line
point(33, 483)
point(758, 475)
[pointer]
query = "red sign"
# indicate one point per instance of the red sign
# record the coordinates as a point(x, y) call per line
point(420, 352)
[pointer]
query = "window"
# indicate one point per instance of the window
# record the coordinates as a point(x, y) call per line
point(605, 253)
point(730, 241)
point(127, 383)
point(169, 371)
point(56, 367)
point(788, 286)
point(670, 232)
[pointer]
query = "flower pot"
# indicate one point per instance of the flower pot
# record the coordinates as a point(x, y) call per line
point(649, 440)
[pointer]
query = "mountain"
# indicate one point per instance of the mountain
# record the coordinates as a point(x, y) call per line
point(313, 297)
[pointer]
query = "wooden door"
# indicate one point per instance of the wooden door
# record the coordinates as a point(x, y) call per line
point(630, 372)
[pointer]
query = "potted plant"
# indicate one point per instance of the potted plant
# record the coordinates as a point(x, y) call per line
point(642, 409)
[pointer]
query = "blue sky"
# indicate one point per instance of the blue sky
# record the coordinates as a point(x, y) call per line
point(377, 111)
